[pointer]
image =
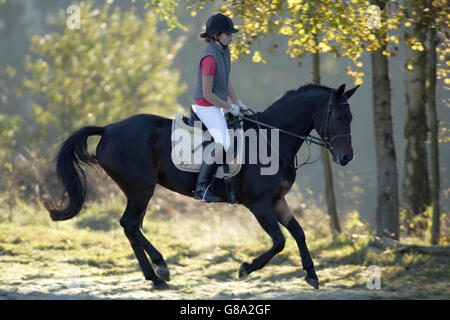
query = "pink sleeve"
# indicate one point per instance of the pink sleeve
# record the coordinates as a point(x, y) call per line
point(208, 66)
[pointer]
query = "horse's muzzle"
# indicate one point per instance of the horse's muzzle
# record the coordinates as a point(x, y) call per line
point(346, 159)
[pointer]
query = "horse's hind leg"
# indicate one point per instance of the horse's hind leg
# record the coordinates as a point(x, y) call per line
point(131, 222)
point(161, 267)
point(267, 218)
point(286, 218)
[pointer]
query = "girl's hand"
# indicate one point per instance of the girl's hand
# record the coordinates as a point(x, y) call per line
point(235, 110)
point(242, 106)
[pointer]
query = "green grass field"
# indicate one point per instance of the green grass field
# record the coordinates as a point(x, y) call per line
point(89, 257)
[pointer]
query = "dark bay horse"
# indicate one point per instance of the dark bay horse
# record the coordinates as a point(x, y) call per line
point(136, 154)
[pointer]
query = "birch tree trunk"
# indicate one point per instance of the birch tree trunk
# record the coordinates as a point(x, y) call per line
point(387, 211)
point(416, 185)
point(434, 128)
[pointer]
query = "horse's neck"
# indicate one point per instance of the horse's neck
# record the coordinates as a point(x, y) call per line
point(294, 115)
point(297, 119)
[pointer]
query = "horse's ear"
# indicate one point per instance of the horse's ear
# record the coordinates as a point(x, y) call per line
point(340, 90)
point(350, 92)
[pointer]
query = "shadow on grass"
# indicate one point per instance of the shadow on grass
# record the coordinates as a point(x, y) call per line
point(93, 263)
point(5, 252)
point(292, 275)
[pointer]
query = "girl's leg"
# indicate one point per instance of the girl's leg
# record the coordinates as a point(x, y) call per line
point(214, 120)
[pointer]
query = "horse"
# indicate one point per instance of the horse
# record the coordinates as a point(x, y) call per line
point(135, 153)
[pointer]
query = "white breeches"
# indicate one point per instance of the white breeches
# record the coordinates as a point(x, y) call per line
point(213, 118)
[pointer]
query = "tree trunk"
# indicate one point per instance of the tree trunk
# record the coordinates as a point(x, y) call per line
point(434, 128)
point(326, 162)
point(416, 187)
point(387, 211)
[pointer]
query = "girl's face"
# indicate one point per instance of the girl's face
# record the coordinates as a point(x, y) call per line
point(226, 38)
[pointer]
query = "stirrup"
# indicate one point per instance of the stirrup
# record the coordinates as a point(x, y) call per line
point(212, 196)
point(204, 193)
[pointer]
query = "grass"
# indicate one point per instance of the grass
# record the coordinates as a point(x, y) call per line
point(89, 257)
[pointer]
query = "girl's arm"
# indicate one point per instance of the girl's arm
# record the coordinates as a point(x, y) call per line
point(207, 85)
point(232, 93)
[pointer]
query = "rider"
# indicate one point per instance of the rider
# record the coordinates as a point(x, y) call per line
point(212, 92)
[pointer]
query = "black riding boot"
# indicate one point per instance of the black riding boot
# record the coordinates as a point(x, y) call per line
point(203, 186)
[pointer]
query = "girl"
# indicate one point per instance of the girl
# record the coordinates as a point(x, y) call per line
point(212, 92)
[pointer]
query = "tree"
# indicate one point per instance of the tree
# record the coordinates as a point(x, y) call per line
point(114, 66)
point(438, 25)
point(427, 27)
point(326, 163)
point(387, 211)
point(416, 186)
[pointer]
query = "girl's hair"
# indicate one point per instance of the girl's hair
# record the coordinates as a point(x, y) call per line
point(208, 37)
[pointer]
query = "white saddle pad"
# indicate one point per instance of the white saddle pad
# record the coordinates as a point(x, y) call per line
point(186, 151)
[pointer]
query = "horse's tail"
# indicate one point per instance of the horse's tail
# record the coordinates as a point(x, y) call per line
point(72, 153)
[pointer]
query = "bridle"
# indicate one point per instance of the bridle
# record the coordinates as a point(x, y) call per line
point(325, 143)
point(329, 124)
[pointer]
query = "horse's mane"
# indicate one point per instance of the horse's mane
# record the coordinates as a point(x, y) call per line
point(295, 92)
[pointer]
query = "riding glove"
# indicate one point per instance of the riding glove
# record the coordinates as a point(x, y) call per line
point(242, 106)
point(235, 110)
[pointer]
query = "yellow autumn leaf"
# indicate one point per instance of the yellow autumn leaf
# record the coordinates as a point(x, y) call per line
point(256, 57)
point(286, 30)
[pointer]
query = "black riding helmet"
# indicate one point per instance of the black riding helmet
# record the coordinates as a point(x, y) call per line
point(220, 23)
point(217, 24)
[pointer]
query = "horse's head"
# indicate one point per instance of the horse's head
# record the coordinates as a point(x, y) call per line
point(333, 125)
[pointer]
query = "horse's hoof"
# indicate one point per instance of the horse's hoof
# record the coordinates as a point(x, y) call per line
point(163, 273)
point(243, 273)
point(312, 282)
point(160, 286)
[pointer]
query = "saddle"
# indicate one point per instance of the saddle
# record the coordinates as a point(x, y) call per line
point(189, 141)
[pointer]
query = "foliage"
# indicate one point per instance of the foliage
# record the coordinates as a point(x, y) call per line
point(340, 28)
point(114, 66)
point(165, 9)
point(10, 89)
point(10, 122)
point(418, 226)
point(421, 14)
point(353, 224)
point(10, 128)
point(327, 26)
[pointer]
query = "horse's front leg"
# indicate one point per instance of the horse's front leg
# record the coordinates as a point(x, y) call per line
point(286, 218)
point(266, 216)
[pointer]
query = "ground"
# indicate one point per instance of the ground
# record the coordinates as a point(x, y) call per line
point(90, 258)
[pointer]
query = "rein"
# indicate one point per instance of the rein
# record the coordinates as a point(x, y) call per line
point(326, 142)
